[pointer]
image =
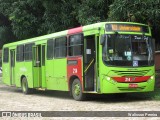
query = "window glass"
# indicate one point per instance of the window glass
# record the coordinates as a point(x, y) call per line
point(75, 45)
point(50, 48)
point(20, 53)
point(128, 50)
point(60, 47)
point(5, 55)
point(43, 55)
point(28, 51)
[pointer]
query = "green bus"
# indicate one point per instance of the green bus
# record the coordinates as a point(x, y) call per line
point(101, 58)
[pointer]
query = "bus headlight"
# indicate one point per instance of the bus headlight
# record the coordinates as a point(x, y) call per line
point(152, 77)
point(108, 78)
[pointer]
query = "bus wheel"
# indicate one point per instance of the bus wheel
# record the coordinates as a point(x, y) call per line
point(77, 90)
point(24, 86)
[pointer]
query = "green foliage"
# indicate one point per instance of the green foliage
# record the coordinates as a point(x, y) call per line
point(135, 10)
point(26, 18)
point(91, 11)
point(6, 35)
point(57, 16)
point(31, 18)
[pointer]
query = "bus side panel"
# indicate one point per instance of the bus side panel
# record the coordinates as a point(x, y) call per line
point(29, 73)
point(74, 68)
point(43, 77)
point(60, 74)
point(50, 82)
point(20, 71)
point(56, 74)
point(6, 73)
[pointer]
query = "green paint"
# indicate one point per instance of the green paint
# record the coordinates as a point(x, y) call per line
point(53, 75)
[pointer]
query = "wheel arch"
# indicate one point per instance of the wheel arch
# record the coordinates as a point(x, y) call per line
point(21, 79)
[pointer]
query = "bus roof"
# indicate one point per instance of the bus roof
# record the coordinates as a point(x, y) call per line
point(67, 32)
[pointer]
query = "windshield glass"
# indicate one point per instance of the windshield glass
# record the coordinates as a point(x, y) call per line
point(128, 50)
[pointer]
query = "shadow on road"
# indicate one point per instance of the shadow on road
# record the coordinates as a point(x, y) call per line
point(107, 98)
point(47, 93)
point(53, 93)
point(6, 88)
point(116, 98)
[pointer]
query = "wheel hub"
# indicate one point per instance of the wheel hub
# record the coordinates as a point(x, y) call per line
point(77, 89)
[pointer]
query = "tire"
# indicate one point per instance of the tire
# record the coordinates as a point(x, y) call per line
point(24, 85)
point(77, 90)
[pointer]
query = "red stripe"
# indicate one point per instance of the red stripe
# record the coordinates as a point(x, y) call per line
point(131, 79)
point(75, 30)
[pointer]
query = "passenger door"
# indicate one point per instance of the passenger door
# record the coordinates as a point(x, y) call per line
point(43, 68)
point(37, 67)
point(12, 66)
point(89, 63)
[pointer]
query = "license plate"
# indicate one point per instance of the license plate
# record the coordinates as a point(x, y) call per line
point(133, 85)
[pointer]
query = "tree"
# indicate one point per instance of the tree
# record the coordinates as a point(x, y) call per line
point(30, 18)
point(24, 16)
point(6, 34)
point(91, 11)
point(143, 11)
point(58, 15)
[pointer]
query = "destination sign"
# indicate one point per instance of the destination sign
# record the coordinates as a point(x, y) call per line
point(126, 28)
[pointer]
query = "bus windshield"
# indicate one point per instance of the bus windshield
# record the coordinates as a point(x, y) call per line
point(128, 50)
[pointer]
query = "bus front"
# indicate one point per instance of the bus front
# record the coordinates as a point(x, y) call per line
point(127, 61)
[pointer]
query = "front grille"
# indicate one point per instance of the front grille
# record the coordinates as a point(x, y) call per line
point(131, 73)
point(131, 89)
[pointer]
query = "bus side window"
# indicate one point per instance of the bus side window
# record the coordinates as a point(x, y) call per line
point(50, 49)
point(28, 51)
point(75, 45)
point(60, 47)
point(20, 53)
point(5, 55)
